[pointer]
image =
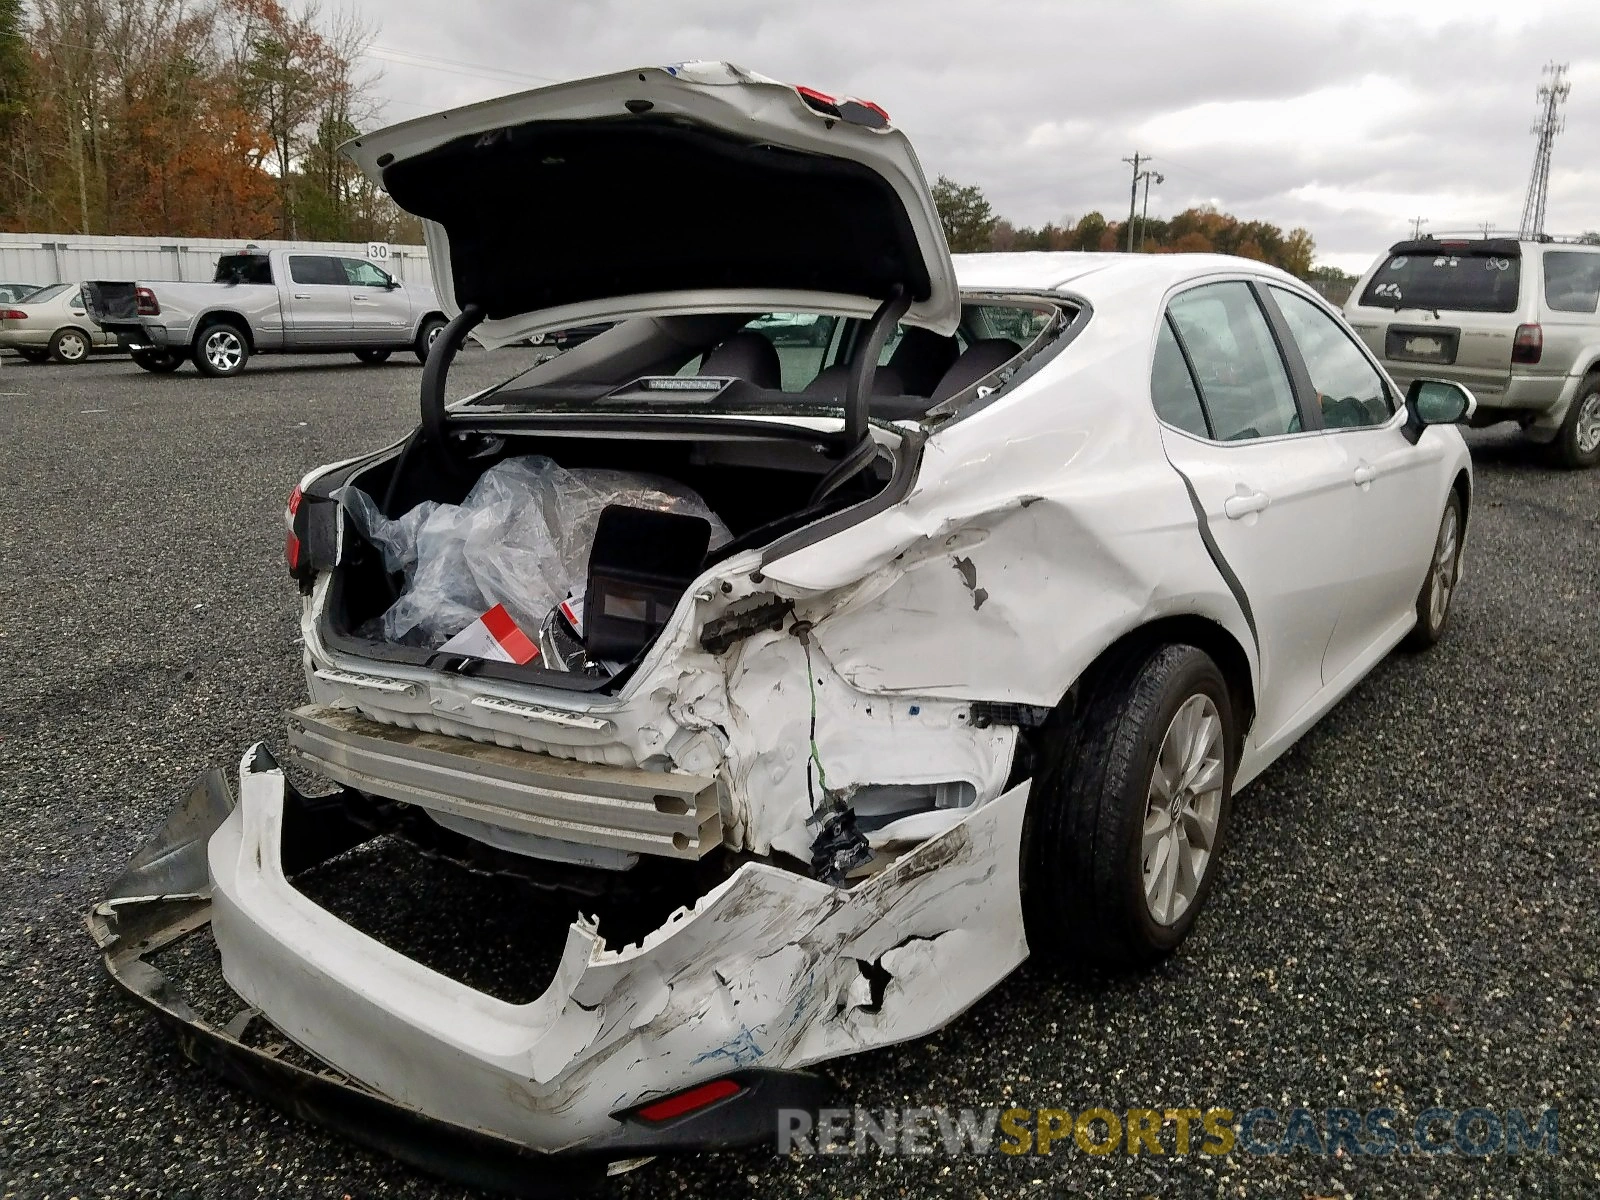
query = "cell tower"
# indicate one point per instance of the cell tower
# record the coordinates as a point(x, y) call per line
point(1552, 95)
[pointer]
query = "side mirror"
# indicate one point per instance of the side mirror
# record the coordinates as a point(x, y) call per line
point(1436, 402)
point(391, 283)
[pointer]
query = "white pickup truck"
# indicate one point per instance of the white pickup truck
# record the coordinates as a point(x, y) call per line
point(268, 302)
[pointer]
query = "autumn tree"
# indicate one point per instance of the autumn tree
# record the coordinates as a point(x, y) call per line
point(968, 219)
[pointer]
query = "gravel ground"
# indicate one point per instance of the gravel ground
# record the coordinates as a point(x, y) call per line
point(1406, 916)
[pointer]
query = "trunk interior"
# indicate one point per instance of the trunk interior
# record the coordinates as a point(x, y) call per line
point(761, 487)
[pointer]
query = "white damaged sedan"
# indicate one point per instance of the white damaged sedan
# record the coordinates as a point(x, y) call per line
point(843, 672)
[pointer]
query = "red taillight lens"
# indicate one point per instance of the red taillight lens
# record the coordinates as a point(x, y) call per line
point(145, 303)
point(13, 314)
point(1528, 345)
point(819, 101)
point(690, 1101)
point(291, 542)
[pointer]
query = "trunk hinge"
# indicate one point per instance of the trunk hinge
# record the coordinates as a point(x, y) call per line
point(857, 447)
point(437, 368)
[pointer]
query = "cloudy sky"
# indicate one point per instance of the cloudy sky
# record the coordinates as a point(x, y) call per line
point(1349, 117)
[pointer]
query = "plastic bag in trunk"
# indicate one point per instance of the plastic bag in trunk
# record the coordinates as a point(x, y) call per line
point(521, 538)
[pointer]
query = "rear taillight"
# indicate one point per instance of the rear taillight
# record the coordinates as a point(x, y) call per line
point(1528, 345)
point(690, 1101)
point(13, 314)
point(145, 303)
point(291, 542)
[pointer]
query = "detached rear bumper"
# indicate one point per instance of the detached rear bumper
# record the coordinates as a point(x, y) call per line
point(165, 896)
point(768, 972)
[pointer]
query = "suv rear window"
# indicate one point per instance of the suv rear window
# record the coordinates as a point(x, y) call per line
point(1459, 282)
point(1572, 280)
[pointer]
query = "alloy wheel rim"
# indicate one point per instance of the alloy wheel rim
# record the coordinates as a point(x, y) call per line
point(223, 350)
point(1183, 809)
point(1589, 424)
point(433, 335)
point(1444, 569)
point(72, 347)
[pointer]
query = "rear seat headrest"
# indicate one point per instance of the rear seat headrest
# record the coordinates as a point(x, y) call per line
point(978, 360)
point(922, 358)
point(748, 356)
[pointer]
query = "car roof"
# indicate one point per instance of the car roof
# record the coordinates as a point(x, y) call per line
point(1098, 275)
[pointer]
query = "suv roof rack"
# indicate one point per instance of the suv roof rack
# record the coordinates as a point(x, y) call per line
point(1515, 235)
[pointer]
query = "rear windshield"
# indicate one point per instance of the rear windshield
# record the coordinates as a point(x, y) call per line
point(48, 292)
point(1572, 280)
point(1462, 283)
point(246, 268)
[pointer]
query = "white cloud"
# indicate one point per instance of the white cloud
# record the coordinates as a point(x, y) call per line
point(1346, 116)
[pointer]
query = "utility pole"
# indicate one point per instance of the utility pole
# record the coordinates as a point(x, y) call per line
point(1133, 193)
point(1552, 95)
point(1416, 227)
point(1144, 213)
point(1487, 227)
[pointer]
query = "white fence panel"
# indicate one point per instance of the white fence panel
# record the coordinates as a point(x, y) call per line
point(71, 258)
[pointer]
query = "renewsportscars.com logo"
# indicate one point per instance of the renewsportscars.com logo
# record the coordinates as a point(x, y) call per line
point(1376, 1132)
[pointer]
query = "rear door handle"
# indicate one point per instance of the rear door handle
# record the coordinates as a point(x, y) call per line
point(1243, 505)
point(1365, 474)
point(302, 295)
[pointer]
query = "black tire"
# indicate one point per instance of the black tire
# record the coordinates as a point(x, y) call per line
point(71, 345)
point(157, 362)
point(1084, 864)
point(34, 356)
point(1444, 570)
point(221, 349)
point(427, 334)
point(1577, 442)
point(373, 357)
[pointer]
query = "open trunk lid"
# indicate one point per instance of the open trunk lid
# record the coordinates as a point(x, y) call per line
point(700, 187)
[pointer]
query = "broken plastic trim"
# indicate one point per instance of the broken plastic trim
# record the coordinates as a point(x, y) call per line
point(437, 369)
point(164, 896)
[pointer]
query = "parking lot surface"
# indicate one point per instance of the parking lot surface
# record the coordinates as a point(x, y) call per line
point(1406, 918)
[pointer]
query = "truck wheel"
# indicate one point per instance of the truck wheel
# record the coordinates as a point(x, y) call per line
point(374, 357)
point(1129, 810)
point(221, 350)
point(158, 362)
point(1577, 443)
point(69, 345)
point(427, 336)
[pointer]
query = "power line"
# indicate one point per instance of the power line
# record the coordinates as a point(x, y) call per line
point(456, 66)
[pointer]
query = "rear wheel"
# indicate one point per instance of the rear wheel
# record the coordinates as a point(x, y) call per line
point(69, 346)
point(159, 362)
point(427, 336)
point(221, 350)
point(373, 357)
point(1130, 810)
point(1577, 442)
point(1439, 588)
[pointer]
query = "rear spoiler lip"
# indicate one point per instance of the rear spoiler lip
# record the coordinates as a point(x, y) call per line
point(1476, 247)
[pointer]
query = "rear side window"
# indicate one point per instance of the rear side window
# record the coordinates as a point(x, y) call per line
point(245, 268)
point(1458, 282)
point(1571, 280)
point(1172, 387)
point(1243, 382)
point(317, 268)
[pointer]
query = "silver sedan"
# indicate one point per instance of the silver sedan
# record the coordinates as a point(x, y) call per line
point(52, 323)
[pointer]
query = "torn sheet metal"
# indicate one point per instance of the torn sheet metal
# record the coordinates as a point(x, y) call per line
point(762, 972)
